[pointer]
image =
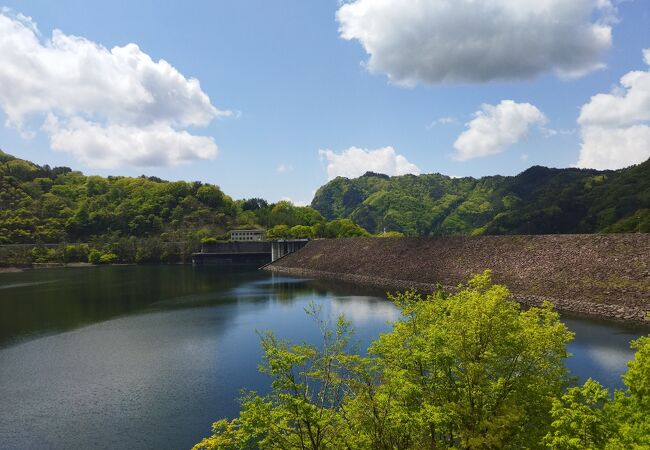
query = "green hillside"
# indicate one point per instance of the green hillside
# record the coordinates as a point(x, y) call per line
point(131, 217)
point(537, 201)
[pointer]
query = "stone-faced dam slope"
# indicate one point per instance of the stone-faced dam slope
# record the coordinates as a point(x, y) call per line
point(600, 275)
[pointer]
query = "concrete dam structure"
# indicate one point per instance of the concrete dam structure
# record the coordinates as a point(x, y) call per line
point(600, 275)
point(253, 252)
point(234, 253)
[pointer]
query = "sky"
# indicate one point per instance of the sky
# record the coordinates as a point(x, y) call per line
point(273, 99)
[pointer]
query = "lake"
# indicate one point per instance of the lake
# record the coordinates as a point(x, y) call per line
point(141, 357)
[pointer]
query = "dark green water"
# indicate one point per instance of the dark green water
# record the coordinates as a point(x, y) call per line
point(141, 357)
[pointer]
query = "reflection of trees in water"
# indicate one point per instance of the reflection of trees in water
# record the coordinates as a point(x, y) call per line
point(346, 288)
point(286, 289)
point(56, 300)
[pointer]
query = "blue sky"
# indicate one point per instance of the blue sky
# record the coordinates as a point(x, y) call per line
point(292, 85)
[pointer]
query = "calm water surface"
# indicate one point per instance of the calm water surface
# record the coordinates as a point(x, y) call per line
point(139, 357)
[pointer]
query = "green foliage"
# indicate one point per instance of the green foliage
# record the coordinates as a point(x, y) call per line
point(537, 201)
point(209, 241)
point(469, 370)
point(301, 232)
point(334, 229)
point(390, 234)
point(75, 253)
point(339, 228)
point(303, 410)
point(108, 258)
point(94, 256)
point(579, 421)
point(131, 217)
point(587, 418)
point(629, 410)
point(279, 232)
point(43, 254)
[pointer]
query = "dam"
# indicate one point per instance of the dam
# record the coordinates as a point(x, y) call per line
point(603, 275)
point(249, 253)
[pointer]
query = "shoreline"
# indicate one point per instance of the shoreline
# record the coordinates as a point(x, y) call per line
point(35, 266)
point(615, 313)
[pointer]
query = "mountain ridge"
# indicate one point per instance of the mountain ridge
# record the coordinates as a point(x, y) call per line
point(539, 200)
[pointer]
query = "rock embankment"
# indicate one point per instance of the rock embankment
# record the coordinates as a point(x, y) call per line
point(599, 275)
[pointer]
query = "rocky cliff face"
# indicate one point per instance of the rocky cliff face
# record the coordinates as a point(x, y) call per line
point(604, 275)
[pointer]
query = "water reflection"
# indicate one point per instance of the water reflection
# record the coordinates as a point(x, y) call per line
point(361, 309)
point(147, 357)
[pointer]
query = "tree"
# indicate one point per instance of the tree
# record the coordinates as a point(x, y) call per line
point(344, 228)
point(468, 370)
point(210, 195)
point(630, 409)
point(586, 417)
point(253, 204)
point(279, 232)
point(579, 421)
point(301, 232)
point(94, 256)
point(303, 409)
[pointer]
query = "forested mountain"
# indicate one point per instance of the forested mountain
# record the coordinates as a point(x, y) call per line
point(39, 204)
point(49, 205)
point(537, 201)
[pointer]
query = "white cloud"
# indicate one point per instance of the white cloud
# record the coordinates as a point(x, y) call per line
point(86, 88)
point(442, 121)
point(355, 161)
point(627, 105)
point(112, 145)
point(615, 127)
point(614, 148)
point(458, 41)
point(496, 127)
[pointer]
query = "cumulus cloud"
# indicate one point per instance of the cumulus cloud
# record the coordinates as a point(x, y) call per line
point(119, 94)
point(460, 41)
point(108, 146)
point(355, 161)
point(615, 127)
point(496, 127)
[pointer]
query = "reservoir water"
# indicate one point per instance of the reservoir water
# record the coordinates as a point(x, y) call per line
point(142, 357)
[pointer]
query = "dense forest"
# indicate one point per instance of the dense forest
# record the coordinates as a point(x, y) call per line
point(537, 201)
point(146, 219)
point(126, 219)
